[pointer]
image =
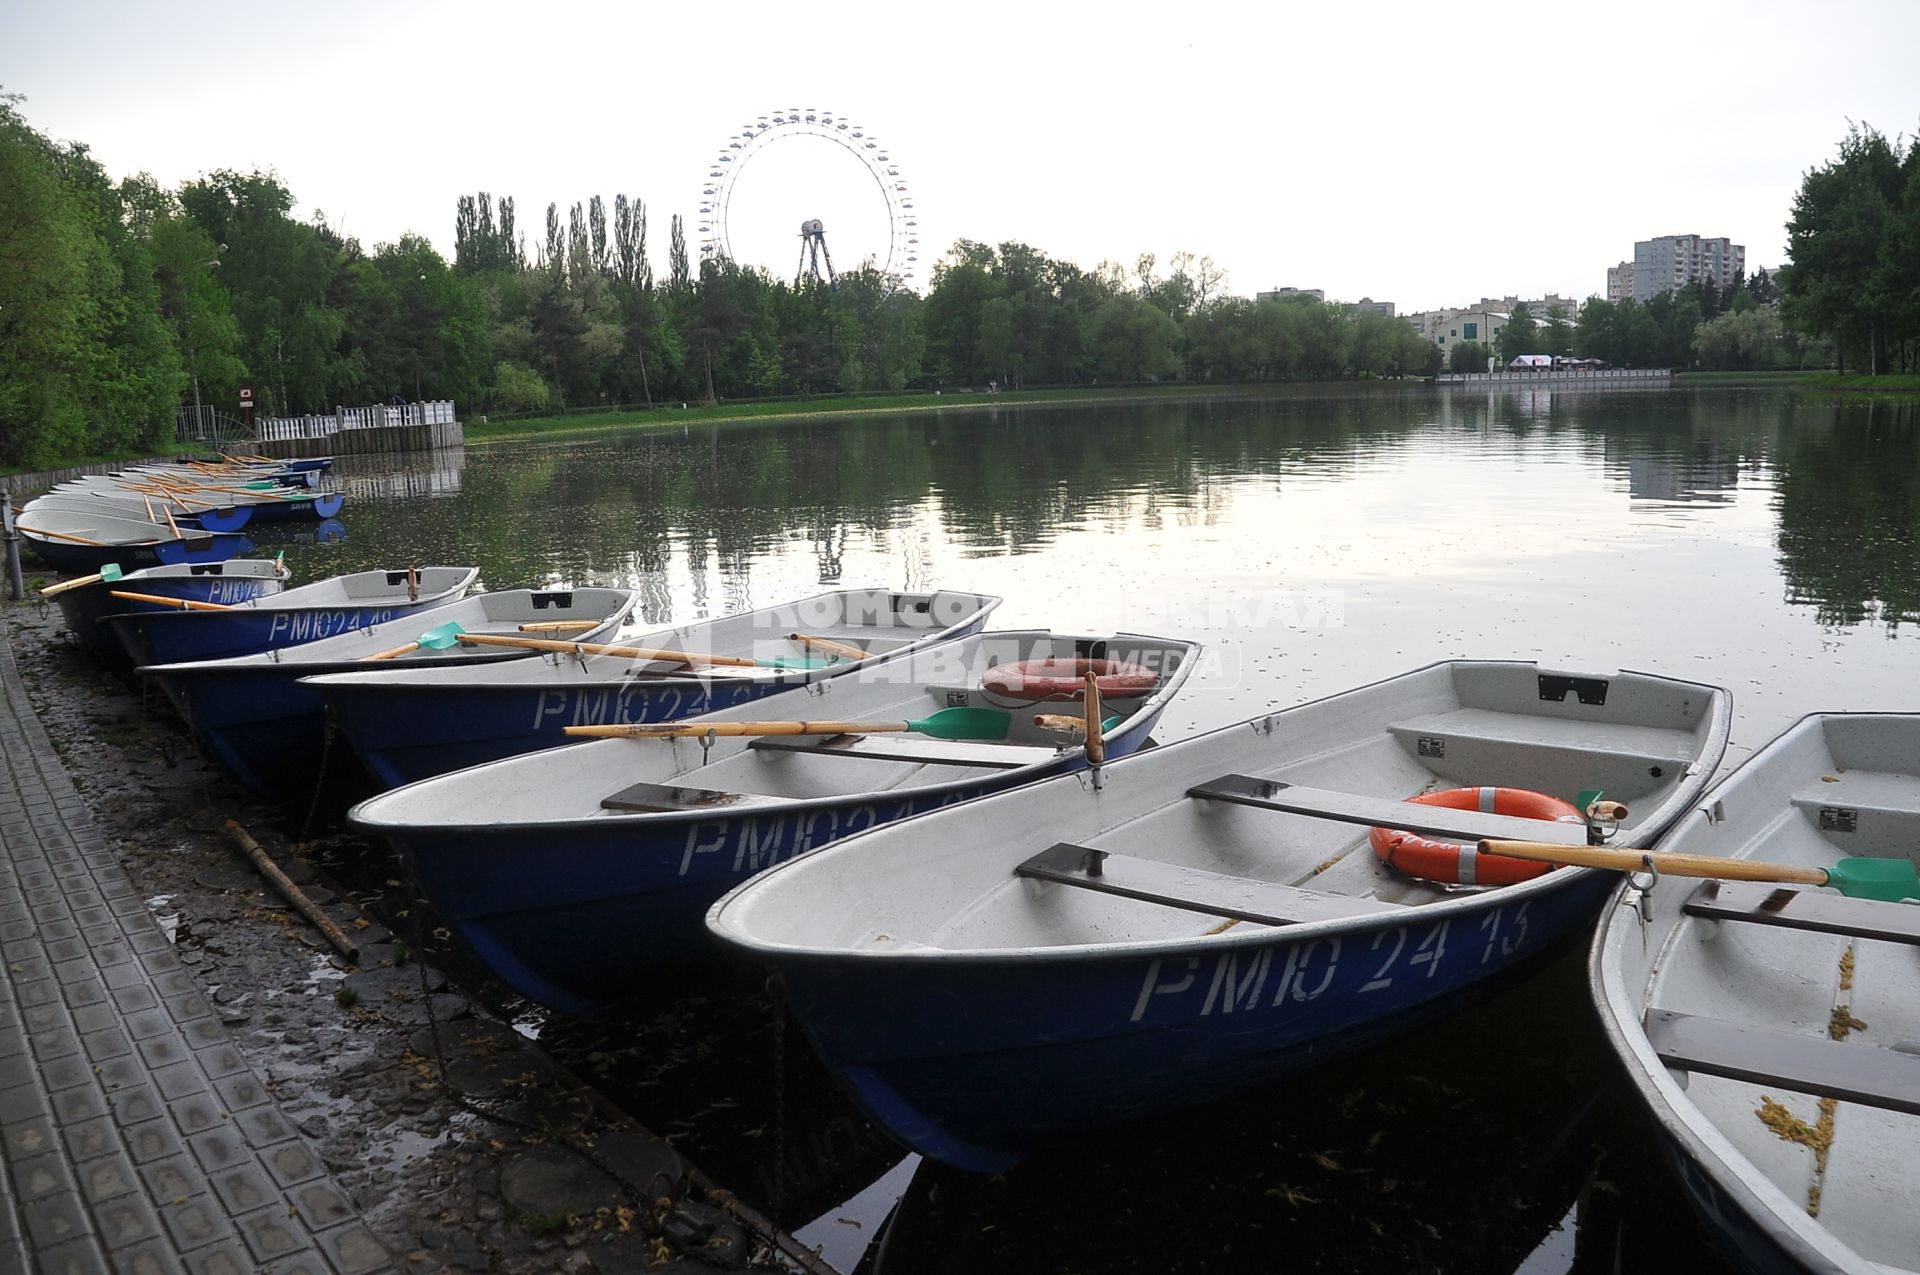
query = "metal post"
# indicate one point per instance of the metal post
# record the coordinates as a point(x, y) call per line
point(17, 587)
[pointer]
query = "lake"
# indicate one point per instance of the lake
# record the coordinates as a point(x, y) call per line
point(1314, 540)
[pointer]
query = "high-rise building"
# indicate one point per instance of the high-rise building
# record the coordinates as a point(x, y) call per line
point(1620, 281)
point(1674, 261)
point(1382, 308)
point(1282, 294)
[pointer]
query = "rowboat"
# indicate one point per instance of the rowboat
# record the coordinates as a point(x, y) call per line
point(252, 713)
point(340, 604)
point(1771, 1031)
point(219, 499)
point(84, 541)
point(124, 503)
point(571, 872)
point(223, 583)
point(987, 979)
point(409, 724)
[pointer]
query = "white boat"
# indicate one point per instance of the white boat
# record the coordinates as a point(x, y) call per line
point(574, 873)
point(1774, 1032)
point(269, 730)
point(413, 723)
point(989, 978)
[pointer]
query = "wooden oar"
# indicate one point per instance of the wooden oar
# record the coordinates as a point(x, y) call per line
point(438, 639)
point(558, 626)
point(110, 572)
point(948, 723)
point(184, 604)
point(413, 585)
point(831, 647)
point(62, 535)
point(441, 638)
point(1890, 880)
point(1070, 725)
point(1096, 739)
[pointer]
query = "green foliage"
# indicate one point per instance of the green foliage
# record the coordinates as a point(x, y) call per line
point(519, 389)
point(1469, 356)
point(1741, 341)
point(1854, 237)
point(1520, 336)
point(86, 362)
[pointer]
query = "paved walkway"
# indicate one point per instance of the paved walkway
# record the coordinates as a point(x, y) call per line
point(136, 1139)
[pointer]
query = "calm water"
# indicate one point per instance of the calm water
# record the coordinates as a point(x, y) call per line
point(1315, 541)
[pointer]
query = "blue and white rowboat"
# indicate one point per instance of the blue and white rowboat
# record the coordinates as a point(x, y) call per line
point(988, 979)
point(323, 609)
point(1773, 1032)
point(413, 723)
point(222, 583)
point(269, 730)
point(82, 541)
point(572, 872)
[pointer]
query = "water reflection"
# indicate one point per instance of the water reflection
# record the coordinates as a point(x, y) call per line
point(1754, 539)
point(1849, 508)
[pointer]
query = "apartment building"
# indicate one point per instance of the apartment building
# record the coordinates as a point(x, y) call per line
point(1674, 261)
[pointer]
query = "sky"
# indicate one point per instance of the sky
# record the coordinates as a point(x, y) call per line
point(1428, 154)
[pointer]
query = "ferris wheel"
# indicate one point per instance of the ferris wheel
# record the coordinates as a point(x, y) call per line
point(897, 258)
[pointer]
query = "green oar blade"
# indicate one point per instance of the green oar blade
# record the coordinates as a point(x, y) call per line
point(111, 571)
point(1889, 880)
point(442, 637)
point(793, 664)
point(964, 723)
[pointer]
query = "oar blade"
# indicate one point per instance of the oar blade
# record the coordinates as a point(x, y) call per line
point(965, 723)
point(111, 571)
point(1889, 880)
point(442, 637)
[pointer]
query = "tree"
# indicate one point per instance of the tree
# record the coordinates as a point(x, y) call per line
point(1851, 279)
point(1740, 341)
point(1521, 335)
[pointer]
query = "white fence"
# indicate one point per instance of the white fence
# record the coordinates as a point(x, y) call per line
point(1562, 376)
point(277, 428)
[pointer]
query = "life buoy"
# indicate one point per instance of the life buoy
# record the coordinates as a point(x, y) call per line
point(1456, 864)
point(1063, 679)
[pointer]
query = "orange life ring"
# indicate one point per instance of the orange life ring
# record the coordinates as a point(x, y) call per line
point(1456, 864)
point(1064, 679)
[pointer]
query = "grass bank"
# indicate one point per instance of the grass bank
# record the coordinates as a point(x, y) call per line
point(1788, 376)
point(1892, 386)
point(675, 415)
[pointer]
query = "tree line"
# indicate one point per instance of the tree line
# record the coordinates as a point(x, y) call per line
point(122, 301)
point(1854, 239)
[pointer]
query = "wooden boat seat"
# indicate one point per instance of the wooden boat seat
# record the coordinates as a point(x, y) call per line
point(905, 747)
point(645, 798)
point(1762, 904)
point(1193, 889)
point(1852, 1072)
point(1868, 811)
point(1643, 746)
point(1384, 812)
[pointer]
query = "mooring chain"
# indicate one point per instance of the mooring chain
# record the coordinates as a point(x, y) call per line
point(320, 774)
point(778, 1001)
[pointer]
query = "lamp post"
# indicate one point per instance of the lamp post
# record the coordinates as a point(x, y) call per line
point(193, 357)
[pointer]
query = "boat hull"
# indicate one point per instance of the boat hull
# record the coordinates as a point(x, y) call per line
point(979, 1063)
point(575, 917)
point(408, 732)
point(79, 559)
point(83, 609)
point(212, 636)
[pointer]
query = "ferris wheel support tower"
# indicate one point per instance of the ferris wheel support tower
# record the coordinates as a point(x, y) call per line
point(813, 251)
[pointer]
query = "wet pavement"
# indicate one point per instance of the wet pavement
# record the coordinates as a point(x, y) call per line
point(137, 1137)
point(191, 1080)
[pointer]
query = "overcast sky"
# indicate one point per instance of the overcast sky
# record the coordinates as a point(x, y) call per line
point(1426, 154)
